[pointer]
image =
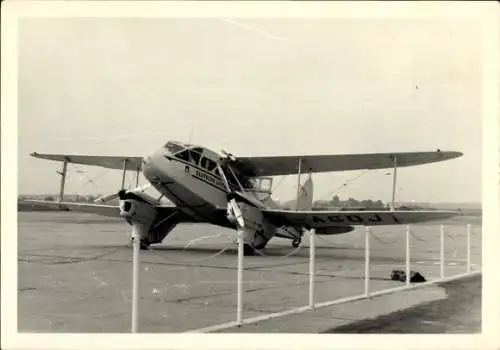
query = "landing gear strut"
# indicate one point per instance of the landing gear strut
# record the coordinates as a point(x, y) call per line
point(248, 250)
point(145, 244)
point(296, 242)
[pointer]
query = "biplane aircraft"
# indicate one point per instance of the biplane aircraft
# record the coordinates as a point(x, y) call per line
point(235, 192)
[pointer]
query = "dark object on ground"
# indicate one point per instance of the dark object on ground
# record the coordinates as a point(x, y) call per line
point(460, 313)
point(400, 275)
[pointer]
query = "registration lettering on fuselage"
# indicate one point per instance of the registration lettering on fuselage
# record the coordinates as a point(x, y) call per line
point(208, 178)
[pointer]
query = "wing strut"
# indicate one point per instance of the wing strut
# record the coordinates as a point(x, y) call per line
point(63, 173)
point(137, 177)
point(395, 174)
point(124, 172)
point(298, 183)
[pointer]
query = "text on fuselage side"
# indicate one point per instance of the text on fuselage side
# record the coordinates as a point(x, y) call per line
point(206, 177)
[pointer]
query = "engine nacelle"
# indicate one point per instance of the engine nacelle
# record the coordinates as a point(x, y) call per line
point(152, 226)
point(138, 212)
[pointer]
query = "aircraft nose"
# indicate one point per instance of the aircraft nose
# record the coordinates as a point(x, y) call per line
point(146, 163)
point(150, 166)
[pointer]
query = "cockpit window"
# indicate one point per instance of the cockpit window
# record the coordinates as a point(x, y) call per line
point(262, 184)
point(173, 147)
point(194, 156)
point(184, 155)
point(208, 164)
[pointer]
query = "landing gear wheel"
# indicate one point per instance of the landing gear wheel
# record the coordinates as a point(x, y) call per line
point(296, 242)
point(145, 244)
point(248, 250)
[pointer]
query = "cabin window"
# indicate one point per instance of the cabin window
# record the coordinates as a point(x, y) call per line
point(184, 155)
point(257, 184)
point(230, 177)
point(194, 157)
point(208, 164)
point(173, 147)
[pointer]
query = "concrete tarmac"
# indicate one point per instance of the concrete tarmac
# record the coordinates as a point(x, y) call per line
point(75, 275)
point(459, 312)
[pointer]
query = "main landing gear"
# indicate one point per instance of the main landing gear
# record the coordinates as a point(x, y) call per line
point(296, 242)
point(145, 244)
point(248, 250)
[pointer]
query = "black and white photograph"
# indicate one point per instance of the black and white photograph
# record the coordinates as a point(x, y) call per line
point(246, 171)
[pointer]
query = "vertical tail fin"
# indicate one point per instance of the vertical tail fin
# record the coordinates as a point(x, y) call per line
point(305, 195)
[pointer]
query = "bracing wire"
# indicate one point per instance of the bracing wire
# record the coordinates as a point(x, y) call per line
point(345, 184)
point(280, 181)
point(348, 182)
point(89, 180)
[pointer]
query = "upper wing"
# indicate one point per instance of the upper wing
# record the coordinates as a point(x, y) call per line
point(111, 162)
point(324, 219)
point(284, 165)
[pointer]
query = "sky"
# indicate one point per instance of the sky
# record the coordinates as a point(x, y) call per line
point(254, 87)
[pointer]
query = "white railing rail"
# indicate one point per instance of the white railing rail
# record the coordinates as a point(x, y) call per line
point(313, 304)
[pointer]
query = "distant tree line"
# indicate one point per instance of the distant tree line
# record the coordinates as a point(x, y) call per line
point(336, 202)
point(69, 198)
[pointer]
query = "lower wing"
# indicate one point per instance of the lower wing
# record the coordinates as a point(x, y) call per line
point(325, 219)
point(98, 209)
point(111, 162)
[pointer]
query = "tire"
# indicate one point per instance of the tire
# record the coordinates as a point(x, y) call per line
point(248, 250)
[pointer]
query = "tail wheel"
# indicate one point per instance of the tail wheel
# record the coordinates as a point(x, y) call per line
point(296, 242)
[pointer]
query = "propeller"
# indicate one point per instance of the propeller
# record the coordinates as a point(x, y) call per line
point(230, 156)
point(110, 197)
point(233, 209)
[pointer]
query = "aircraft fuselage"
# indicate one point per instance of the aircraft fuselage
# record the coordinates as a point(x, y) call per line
point(190, 178)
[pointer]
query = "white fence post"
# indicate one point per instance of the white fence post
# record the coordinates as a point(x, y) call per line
point(312, 267)
point(367, 260)
point(408, 255)
point(469, 229)
point(442, 251)
point(135, 278)
point(239, 315)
